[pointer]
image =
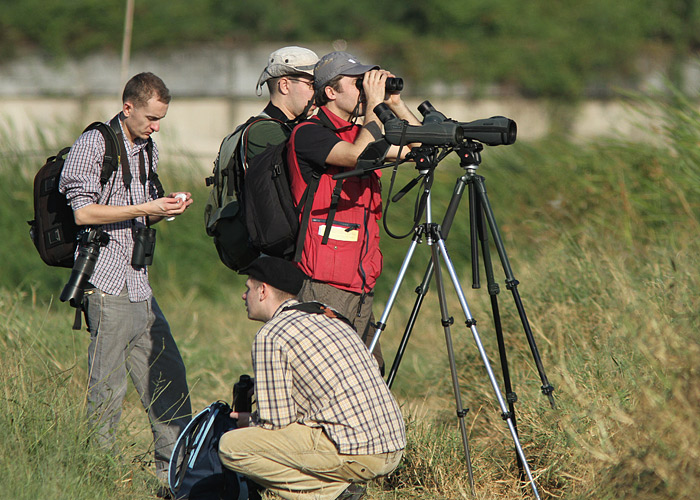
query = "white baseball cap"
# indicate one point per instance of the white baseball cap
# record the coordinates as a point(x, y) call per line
point(290, 60)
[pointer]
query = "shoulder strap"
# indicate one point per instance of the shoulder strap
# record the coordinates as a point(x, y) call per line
point(306, 201)
point(112, 152)
point(152, 175)
point(318, 308)
point(235, 183)
point(262, 117)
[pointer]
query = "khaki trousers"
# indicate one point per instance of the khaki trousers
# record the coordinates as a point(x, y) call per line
point(299, 462)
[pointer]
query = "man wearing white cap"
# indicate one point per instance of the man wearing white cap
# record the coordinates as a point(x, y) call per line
point(289, 76)
point(343, 261)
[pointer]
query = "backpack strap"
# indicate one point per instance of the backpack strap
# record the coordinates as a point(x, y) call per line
point(335, 197)
point(152, 176)
point(318, 308)
point(305, 201)
point(112, 151)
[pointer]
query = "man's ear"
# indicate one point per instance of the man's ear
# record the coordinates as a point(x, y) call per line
point(331, 93)
point(264, 291)
point(283, 86)
point(127, 108)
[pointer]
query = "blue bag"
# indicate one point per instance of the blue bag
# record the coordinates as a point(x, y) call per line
point(195, 471)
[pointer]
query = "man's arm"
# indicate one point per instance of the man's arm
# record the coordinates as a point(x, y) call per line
point(273, 383)
point(345, 154)
point(155, 210)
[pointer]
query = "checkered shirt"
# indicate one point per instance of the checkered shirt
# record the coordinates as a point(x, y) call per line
point(80, 182)
point(315, 370)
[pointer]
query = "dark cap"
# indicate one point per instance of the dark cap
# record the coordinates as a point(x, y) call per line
point(276, 272)
point(338, 63)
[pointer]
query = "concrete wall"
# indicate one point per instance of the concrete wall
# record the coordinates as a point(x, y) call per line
point(214, 89)
point(194, 127)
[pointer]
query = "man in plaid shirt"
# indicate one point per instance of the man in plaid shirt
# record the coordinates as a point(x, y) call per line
point(326, 422)
point(128, 332)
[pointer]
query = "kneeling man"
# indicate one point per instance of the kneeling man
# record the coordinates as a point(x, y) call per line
point(326, 422)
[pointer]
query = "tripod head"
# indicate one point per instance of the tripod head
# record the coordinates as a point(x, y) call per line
point(469, 154)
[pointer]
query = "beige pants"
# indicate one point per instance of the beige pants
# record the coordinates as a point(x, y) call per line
point(299, 462)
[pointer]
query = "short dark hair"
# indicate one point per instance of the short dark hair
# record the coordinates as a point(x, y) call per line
point(140, 88)
point(321, 97)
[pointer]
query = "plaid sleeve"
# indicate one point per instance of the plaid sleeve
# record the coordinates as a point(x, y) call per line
point(80, 178)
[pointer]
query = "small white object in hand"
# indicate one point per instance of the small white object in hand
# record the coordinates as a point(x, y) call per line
point(181, 196)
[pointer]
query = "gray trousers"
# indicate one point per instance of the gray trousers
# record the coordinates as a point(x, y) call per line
point(349, 305)
point(134, 338)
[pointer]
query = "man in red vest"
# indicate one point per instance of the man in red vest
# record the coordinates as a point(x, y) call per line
point(343, 270)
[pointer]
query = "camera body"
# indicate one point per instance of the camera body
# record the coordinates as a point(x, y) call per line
point(393, 84)
point(144, 246)
point(90, 241)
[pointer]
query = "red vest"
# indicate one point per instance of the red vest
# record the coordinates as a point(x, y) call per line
point(351, 260)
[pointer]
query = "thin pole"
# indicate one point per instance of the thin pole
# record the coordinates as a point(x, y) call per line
point(126, 42)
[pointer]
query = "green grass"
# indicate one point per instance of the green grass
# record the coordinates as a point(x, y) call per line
point(603, 240)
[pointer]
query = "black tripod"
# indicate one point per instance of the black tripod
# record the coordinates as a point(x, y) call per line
point(435, 235)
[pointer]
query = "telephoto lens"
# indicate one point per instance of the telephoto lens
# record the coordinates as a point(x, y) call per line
point(393, 84)
point(84, 266)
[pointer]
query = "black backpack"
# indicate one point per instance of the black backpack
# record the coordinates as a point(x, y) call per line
point(195, 471)
point(250, 208)
point(53, 229)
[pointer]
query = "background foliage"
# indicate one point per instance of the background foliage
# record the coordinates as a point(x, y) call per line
point(538, 48)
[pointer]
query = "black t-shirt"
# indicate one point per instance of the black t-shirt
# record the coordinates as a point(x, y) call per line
point(313, 143)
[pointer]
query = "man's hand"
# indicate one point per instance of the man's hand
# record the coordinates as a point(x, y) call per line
point(155, 210)
point(169, 206)
point(242, 416)
point(374, 86)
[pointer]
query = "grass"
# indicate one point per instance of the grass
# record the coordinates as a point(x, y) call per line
point(603, 240)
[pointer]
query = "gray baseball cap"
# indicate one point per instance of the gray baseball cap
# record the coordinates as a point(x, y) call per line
point(338, 63)
point(290, 60)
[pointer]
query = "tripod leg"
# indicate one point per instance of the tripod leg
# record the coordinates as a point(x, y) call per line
point(471, 324)
point(422, 289)
point(512, 285)
point(494, 290)
point(446, 322)
point(392, 297)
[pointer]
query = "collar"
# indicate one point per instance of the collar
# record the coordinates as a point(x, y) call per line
point(288, 302)
point(339, 124)
point(274, 112)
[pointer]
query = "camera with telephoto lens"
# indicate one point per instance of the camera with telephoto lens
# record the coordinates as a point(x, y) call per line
point(144, 246)
point(90, 241)
point(242, 394)
point(393, 84)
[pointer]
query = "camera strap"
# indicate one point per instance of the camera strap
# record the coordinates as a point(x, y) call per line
point(144, 177)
